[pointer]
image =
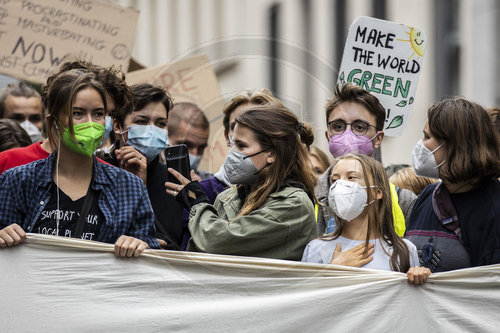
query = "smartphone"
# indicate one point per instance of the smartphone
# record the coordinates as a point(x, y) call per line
point(177, 158)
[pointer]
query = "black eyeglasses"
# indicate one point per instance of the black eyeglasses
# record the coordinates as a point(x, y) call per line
point(358, 127)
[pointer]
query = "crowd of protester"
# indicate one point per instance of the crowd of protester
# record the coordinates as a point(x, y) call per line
point(85, 158)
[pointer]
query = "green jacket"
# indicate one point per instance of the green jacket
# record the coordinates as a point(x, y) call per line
point(280, 229)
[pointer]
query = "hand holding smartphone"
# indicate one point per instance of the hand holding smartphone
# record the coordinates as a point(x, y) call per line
point(177, 158)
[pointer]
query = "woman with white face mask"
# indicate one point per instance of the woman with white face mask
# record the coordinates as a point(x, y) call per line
point(456, 223)
point(365, 235)
point(270, 212)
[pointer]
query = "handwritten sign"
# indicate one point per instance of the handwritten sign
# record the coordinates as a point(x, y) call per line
point(385, 58)
point(192, 80)
point(37, 35)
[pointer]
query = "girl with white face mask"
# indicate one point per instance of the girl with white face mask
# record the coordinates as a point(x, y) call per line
point(364, 235)
point(270, 212)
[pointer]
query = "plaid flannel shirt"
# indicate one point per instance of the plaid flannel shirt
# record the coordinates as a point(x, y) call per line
point(123, 200)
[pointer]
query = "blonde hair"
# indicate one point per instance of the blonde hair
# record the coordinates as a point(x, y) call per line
point(407, 178)
point(320, 156)
point(258, 97)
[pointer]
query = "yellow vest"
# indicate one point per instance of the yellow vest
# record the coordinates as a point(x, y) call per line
point(397, 213)
point(316, 210)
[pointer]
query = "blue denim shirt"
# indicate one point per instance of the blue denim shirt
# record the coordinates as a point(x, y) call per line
point(123, 200)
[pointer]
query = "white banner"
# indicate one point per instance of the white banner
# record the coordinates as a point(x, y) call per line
point(67, 285)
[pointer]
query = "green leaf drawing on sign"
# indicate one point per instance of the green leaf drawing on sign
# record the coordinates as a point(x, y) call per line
point(401, 104)
point(411, 100)
point(395, 122)
point(341, 78)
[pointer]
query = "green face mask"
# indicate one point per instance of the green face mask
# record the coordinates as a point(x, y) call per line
point(88, 138)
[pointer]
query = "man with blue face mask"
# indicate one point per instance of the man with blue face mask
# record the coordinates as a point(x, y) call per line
point(141, 135)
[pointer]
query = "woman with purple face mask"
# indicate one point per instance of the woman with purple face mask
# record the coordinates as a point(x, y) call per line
point(456, 222)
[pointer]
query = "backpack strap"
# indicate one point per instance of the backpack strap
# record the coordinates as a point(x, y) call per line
point(445, 211)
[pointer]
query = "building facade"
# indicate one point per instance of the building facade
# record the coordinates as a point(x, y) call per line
point(294, 47)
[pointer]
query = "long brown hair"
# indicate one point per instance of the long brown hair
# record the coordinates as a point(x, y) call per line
point(380, 221)
point(472, 147)
point(278, 130)
point(408, 179)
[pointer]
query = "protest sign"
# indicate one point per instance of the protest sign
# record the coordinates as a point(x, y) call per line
point(37, 36)
point(385, 58)
point(192, 80)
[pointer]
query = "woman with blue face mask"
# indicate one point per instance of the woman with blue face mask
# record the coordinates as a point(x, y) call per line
point(142, 132)
point(456, 223)
point(141, 137)
point(365, 235)
point(70, 193)
point(270, 211)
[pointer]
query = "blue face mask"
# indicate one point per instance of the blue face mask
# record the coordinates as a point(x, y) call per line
point(107, 129)
point(150, 140)
point(194, 161)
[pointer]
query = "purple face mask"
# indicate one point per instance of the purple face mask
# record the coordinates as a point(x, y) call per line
point(348, 142)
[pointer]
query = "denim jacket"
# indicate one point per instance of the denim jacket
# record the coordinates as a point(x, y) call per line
point(123, 200)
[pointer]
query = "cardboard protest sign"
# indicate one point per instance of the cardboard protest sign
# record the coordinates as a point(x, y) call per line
point(193, 80)
point(37, 35)
point(385, 58)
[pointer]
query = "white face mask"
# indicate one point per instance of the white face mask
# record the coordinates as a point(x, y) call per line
point(424, 162)
point(348, 199)
point(32, 131)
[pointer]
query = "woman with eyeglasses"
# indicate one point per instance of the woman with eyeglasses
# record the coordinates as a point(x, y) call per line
point(456, 222)
point(270, 212)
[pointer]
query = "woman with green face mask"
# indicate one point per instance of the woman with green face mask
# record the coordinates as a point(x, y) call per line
point(70, 193)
